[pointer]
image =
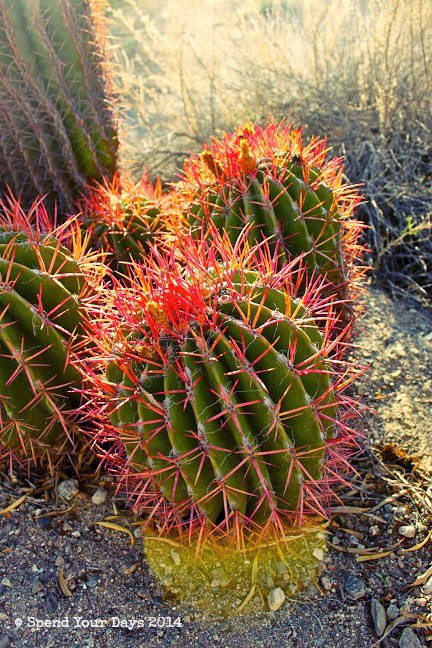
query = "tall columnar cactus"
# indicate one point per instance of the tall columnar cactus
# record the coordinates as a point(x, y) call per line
point(57, 128)
point(124, 218)
point(41, 292)
point(221, 392)
point(287, 189)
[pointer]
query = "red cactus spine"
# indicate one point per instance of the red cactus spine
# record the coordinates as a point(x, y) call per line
point(225, 402)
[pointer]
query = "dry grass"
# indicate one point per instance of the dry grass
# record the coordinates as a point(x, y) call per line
point(358, 70)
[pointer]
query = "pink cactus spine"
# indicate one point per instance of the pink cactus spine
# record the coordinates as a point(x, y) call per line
point(189, 359)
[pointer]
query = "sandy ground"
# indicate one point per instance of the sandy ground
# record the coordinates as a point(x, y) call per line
point(108, 579)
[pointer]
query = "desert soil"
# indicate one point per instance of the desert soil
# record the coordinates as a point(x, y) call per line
point(106, 577)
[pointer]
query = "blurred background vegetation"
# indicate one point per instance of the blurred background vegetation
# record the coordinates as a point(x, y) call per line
point(359, 71)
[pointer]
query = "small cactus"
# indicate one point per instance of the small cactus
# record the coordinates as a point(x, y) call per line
point(288, 190)
point(57, 129)
point(224, 402)
point(41, 311)
point(125, 218)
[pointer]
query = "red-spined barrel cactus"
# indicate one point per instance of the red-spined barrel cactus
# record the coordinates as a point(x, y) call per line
point(125, 218)
point(287, 189)
point(42, 290)
point(57, 130)
point(224, 402)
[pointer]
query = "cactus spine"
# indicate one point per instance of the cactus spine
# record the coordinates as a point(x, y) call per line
point(56, 123)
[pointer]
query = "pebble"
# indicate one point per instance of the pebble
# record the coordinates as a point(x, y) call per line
point(276, 599)
point(407, 531)
point(318, 554)
point(6, 582)
point(409, 639)
point(379, 618)
point(68, 489)
point(92, 582)
point(392, 612)
point(281, 568)
point(3, 616)
point(37, 586)
point(427, 587)
point(44, 522)
point(99, 497)
point(51, 602)
point(326, 583)
point(176, 557)
point(220, 578)
point(355, 589)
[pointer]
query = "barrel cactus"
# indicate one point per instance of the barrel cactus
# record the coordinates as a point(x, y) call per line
point(287, 189)
point(57, 129)
point(222, 399)
point(42, 286)
point(125, 218)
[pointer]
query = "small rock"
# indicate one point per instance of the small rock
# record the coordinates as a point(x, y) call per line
point(409, 639)
point(92, 582)
point(59, 561)
point(427, 587)
point(37, 586)
point(326, 583)
point(405, 608)
point(421, 601)
point(6, 582)
point(276, 599)
point(407, 531)
point(220, 578)
point(281, 568)
point(68, 489)
point(67, 526)
point(44, 522)
point(318, 554)
point(3, 616)
point(99, 497)
point(268, 581)
point(355, 589)
point(176, 557)
point(379, 618)
point(392, 612)
point(51, 602)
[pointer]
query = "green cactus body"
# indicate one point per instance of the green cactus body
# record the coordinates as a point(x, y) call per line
point(279, 204)
point(287, 191)
point(39, 315)
point(56, 125)
point(230, 415)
